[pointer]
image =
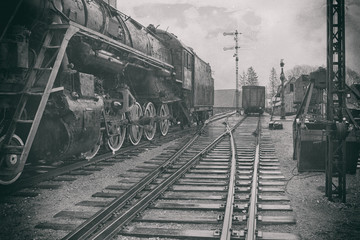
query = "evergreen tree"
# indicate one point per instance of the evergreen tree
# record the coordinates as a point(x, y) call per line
point(242, 80)
point(252, 78)
point(274, 82)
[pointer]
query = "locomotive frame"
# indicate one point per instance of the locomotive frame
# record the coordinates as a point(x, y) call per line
point(83, 81)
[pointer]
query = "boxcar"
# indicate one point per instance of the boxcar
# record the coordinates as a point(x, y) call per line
point(203, 88)
point(253, 99)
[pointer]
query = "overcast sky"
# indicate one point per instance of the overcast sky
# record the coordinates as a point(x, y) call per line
point(293, 30)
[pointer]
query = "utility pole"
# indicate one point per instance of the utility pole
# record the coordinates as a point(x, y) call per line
point(335, 165)
point(282, 78)
point(236, 33)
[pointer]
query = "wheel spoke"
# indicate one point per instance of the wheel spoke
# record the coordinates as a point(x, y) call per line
point(150, 129)
point(114, 143)
point(11, 161)
point(164, 123)
point(135, 131)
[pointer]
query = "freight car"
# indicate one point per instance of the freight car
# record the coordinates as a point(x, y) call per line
point(76, 75)
point(253, 99)
point(309, 125)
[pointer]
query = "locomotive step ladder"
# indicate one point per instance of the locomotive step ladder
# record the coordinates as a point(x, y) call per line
point(30, 93)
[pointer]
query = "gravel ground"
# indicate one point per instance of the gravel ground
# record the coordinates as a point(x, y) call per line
point(317, 218)
point(19, 215)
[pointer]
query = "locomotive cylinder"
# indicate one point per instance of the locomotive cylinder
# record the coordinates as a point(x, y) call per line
point(75, 132)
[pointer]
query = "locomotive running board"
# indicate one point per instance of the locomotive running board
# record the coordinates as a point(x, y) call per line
point(118, 45)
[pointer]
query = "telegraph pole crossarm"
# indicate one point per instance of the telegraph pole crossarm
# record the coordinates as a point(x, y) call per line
point(236, 33)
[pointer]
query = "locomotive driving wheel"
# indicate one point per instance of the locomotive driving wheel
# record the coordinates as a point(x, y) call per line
point(118, 133)
point(150, 129)
point(164, 123)
point(135, 131)
point(11, 161)
point(94, 150)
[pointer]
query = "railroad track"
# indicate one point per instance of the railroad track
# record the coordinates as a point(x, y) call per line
point(225, 184)
point(35, 174)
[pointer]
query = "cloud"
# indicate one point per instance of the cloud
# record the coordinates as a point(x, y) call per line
point(251, 19)
point(162, 13)
point(271, 30)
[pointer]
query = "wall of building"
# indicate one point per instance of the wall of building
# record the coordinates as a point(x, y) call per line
point(225, 98)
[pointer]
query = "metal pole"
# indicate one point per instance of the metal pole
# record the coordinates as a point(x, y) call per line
point(237, 71)
point(236, 33)
point(335, 167)
point(282, 78)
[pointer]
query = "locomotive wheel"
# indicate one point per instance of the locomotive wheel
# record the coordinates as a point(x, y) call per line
point(114, 143)
point(150, 130)
point(135, 131)
point(164, 124)
point(11, 161)
point(93, 151)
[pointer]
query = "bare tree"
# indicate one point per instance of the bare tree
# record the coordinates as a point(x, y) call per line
point(352, 77)
point(299, 70)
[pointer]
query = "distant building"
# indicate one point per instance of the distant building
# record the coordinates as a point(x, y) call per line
point(225, 100)
point(289, 98)
point(294, 92)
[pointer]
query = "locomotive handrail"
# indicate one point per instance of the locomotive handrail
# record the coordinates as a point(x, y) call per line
point(93, 34)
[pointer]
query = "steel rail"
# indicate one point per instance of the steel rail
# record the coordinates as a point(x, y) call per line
point(113, 227)
point(33, 180)
point(220, 115)
point(38, 178)
point(228, 216)
point(251, 223)
point(90, 226)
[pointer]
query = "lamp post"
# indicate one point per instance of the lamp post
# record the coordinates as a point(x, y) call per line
point(236, 33)
point(282, 78)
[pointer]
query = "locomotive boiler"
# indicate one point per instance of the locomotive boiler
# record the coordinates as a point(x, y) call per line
point(79, 74)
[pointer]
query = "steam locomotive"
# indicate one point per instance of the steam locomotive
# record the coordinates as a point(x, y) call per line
point(79, 74)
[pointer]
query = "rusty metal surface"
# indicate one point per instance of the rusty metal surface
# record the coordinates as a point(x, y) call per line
point(107, 49)
point(203, 84)
point(73, 131)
